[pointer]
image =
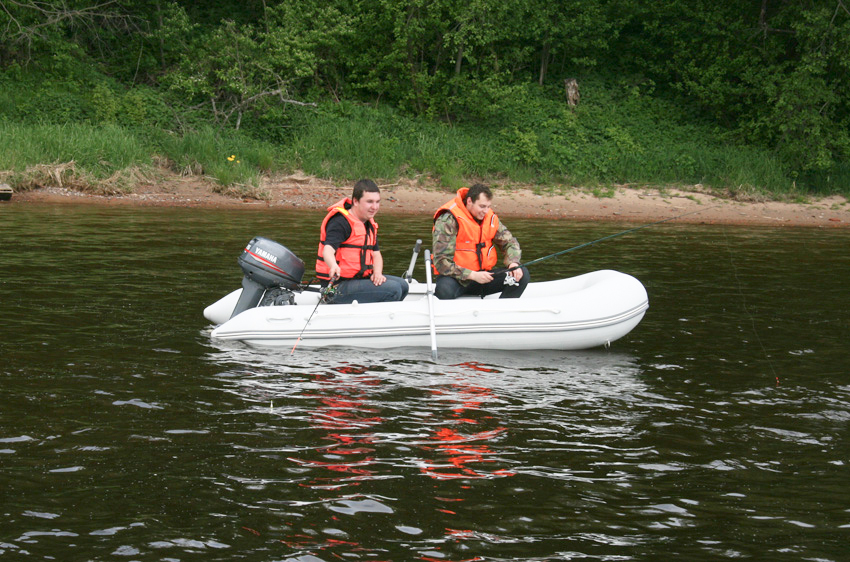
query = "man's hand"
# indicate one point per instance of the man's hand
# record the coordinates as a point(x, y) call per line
point(482, 277)
point(329, 255)
point(516, 273)
point(334, 271)
point(377, 276)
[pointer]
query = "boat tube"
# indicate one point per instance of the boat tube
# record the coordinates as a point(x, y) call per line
point(272, 309)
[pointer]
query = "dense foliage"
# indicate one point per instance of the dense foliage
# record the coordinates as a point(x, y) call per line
point(773, 76)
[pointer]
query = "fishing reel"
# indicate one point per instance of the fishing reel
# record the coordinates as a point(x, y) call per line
point(327, 294)
point(510, 281)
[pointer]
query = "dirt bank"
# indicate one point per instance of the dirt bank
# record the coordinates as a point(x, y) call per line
point(640, 205)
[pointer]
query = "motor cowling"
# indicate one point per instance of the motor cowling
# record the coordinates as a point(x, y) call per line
point(266, 265)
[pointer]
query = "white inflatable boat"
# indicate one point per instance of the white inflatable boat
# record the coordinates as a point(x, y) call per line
point(580, 312)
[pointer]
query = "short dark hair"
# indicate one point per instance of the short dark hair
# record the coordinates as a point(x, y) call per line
point(361, 187)
point(478, 189)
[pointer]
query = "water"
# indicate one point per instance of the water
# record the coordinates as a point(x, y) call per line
point(716, 430)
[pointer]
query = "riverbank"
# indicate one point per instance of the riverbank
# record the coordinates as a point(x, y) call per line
point(627, 204)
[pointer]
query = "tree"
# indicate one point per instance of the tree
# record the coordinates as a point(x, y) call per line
point(775, 72)
point(29, 24)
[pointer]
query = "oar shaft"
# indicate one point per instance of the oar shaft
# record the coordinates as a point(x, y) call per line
point(429, 290)
point(408, 275)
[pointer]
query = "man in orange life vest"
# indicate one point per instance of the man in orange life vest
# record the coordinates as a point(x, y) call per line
point(465, 236)
point(349, 252)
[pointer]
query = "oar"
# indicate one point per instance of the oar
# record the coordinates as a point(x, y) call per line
point(430, 295)
point(574, 248)
point(408, 275)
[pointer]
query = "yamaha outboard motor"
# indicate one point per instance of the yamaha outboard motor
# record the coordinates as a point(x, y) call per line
point(268, 266)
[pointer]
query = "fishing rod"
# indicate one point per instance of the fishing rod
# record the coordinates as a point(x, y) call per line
point(326, 292)
point(574, 248)
point(323, 295)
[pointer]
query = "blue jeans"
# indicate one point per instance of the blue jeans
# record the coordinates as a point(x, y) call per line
point(363, 291)
point(448, 288)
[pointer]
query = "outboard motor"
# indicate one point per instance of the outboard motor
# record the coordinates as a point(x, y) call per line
point(268, 266)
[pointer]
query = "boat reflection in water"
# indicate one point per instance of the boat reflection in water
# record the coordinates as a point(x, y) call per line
point(350, 432)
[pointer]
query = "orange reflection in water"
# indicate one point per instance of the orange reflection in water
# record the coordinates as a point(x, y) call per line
point(459, 447)
point(343, 414)
point(463, 450)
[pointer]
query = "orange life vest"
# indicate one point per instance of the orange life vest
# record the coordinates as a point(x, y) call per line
point(474, 245)
point(355, 254)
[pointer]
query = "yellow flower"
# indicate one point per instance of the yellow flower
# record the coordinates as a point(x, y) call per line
point(231, 158)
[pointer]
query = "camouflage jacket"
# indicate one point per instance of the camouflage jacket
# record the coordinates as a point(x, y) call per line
point(443, 247)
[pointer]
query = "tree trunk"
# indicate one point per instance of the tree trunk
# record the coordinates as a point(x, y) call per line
point(571, 90)
point(544, 62)
point(161, 41)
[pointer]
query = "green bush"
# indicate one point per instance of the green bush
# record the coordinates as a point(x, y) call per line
point(620, 133)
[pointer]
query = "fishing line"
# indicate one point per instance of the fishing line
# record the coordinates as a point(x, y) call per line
point(746, 309)
point(586, 244)
point(324, 293)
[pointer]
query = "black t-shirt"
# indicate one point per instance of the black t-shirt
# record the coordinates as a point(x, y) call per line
point(338, 231)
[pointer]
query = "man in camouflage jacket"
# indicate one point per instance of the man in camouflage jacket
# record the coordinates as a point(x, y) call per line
point(453, 279)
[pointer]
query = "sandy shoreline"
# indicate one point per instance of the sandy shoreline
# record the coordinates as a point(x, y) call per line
point(641, 205)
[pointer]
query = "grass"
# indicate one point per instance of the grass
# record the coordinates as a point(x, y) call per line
point(99, 150)
point(104, 160)
point(113, 159)
point(230, 158)
point(605, 142)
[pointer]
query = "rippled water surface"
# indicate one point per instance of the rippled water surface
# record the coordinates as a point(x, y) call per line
point(717, 429)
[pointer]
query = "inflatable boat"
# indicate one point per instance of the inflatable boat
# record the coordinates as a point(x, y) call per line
point(273, 309)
